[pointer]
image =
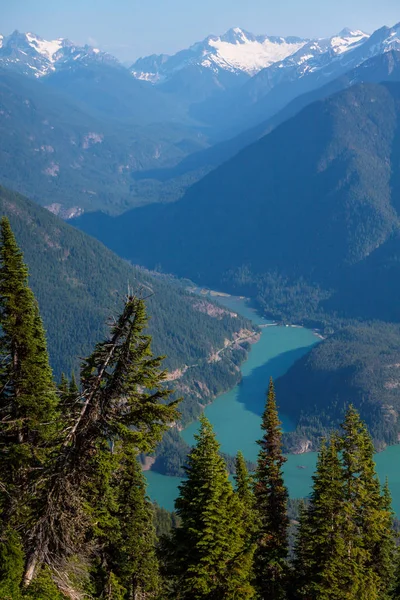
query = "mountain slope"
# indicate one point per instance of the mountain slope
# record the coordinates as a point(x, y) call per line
point(381, 68)
point(111, 92)
point(306, 220)
point(360, 365)
point(29, 54)
point(235, 51)
point(308, 200)
point(53, 150)
point(311, 67)
point(79, 284)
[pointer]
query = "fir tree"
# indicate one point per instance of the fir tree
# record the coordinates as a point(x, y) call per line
point(121, 398)
point(244, 482)
point(136, 563)
point(208, 554)
point(367, 518)
point(29, 415)
point(321, 564)
point(384, 553)
point(271, 495)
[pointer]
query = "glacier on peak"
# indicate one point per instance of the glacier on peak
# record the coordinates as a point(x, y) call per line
point(236, 51)
point(30, 54)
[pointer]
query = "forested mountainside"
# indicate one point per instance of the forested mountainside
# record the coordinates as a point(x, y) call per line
point(358, 364)
point(384, 67)
point(312, 66)
point(79, 283)
point(318, 247)
point(75, 518)
point(63, 154)
point(340, 198)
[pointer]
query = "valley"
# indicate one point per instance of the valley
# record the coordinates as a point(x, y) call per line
point(236, 415)
point(199, 306)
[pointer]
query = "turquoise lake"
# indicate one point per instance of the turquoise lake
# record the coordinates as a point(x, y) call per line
point(235, 415)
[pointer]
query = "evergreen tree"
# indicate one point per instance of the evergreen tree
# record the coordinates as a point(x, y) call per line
point(122, 398)
point(244, 489)
point(321, 564)
point(384, 554)
point(29, 415)
point(208, 556)
point(271, 567)
point(244, 482)
point(136, 563)
point(367, 518)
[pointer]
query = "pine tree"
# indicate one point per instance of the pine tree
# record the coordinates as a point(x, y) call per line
point(208, 555)
point(244, 483)
point(367, 526)
point(121, 398)
point(136, 563)
point(321, 564)
point(384, 553)
point(271, 567)
point(29, 415)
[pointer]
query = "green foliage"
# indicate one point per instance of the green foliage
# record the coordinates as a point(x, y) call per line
point(345, 544)
point(271, 498)
point(321, 566)
point(43, 588)
point(11, 564)
point(164, 521)
point(208, 555)
point(79, 283)
point(136, 561)
point(29, 415)
point(77, 157)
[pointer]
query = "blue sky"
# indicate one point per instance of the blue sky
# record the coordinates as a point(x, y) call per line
point(132, 28)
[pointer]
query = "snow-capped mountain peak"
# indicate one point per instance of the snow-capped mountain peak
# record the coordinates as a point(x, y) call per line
point(48, 49)
point(237, 51)
point(347, 39)
point(30, 54)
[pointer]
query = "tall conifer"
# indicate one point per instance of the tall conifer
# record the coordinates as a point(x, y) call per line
point(122, 398)
point(136, 562)
point(208, 554)
point(321, 564)
point(28, 399)
point(367, 517)
point(271, 495)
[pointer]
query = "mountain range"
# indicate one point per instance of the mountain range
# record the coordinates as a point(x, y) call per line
point(281, 156)
point(139, 142)
point(80, 285)
point(29, 54)
point(307, 221)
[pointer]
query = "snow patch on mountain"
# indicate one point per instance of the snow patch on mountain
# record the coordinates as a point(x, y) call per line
point(30, 54)
point(46, 48)
point(249, 55)
point(237, 51)
point(347, 40)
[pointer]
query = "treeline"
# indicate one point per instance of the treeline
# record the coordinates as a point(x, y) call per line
point(76, 522)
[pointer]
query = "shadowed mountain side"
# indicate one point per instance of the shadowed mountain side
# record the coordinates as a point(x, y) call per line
point(358, 365)
point(382, 68)
point(308, 200)
point(79, 284)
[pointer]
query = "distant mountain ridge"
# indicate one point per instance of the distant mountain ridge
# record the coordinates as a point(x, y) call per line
point(30, 54)
point(235, 51)
point(313, 66)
